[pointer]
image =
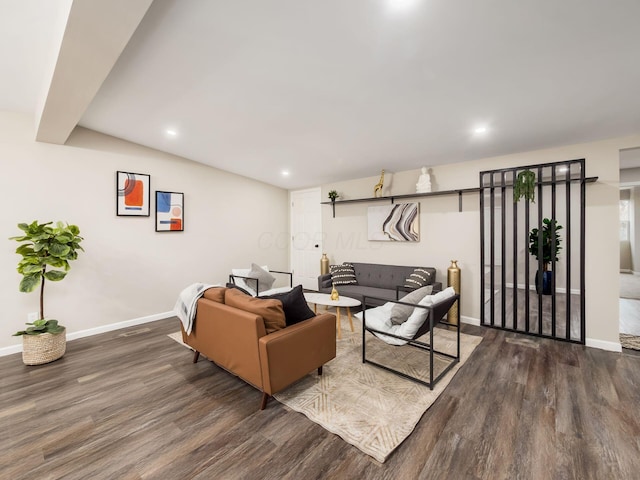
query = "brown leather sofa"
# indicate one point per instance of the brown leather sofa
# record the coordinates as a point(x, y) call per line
point(231, 329)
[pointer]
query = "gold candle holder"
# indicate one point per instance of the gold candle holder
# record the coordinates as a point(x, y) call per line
point(334, 293)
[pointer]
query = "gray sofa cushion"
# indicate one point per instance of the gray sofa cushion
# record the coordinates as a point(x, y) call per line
point(376, 280)
point(385, 276)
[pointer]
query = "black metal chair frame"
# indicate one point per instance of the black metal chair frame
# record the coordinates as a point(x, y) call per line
point(435, 317)
point(232, 279)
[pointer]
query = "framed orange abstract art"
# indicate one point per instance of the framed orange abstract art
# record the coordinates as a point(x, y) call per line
point(133, 194)
point(169, 211)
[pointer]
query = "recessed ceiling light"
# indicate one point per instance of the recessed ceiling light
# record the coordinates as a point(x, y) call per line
point(171, 133)
point(480, 130)
point(285, 173)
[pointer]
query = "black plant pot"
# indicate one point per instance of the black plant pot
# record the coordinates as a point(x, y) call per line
point(545, 285)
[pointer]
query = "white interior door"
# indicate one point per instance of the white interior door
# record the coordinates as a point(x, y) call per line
point(306, 237)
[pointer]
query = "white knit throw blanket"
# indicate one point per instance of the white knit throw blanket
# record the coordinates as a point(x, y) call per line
point(187, 302)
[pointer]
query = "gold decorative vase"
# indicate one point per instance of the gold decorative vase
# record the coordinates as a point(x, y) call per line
point(324, 264)
point(453, 280)
point(334, 293)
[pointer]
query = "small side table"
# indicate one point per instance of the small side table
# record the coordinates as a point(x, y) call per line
point(325, 299)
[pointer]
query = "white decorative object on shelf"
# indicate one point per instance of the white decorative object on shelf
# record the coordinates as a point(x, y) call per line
point(424, 182)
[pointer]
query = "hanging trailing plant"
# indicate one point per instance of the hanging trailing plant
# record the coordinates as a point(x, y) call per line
point(525, 186)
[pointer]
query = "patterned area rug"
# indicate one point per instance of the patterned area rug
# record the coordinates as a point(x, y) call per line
point(630, 341)
point(177, 336)
point(368, 407)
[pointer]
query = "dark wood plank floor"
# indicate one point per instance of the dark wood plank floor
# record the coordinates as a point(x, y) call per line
point(550, 328)
point(131, 405)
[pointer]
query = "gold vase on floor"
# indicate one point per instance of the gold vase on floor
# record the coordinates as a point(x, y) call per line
point(453, 280)
point(334, 293)
point(324, 264)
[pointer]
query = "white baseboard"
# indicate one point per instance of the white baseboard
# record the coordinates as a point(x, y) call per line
point(629, 271)
point(10, 350)
point(470, 320)
point(97, 330)
point(602, 345)
point(532, 286)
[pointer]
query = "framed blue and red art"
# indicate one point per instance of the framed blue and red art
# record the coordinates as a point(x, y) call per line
point(169, 211)
point(133, 194)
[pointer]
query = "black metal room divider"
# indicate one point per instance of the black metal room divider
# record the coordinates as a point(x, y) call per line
point(532, 249)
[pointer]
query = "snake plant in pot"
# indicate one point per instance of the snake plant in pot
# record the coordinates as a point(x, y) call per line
point(46, 251)
point(546, 241)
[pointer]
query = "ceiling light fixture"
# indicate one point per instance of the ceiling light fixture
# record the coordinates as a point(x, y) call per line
point(480, 130)
point(171, 133)
point(285, 173)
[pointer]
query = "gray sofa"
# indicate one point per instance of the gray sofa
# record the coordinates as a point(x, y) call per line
point(376, 280)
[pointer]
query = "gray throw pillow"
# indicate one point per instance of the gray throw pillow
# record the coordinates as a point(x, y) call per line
point(265, 279)
point(400, 313)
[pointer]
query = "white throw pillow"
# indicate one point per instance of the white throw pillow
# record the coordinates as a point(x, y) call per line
point(380, 318)
point(419, 316)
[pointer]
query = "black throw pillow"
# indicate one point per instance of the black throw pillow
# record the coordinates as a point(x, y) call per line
point(295, 306)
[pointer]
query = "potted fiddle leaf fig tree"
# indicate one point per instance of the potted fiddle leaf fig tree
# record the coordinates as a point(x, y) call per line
point(46, 251)
point(550, 240)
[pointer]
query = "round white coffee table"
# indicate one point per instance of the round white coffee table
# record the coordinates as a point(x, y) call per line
point(325, 299)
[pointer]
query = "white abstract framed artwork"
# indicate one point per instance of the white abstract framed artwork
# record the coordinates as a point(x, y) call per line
point(394, 223)
point(169, 211)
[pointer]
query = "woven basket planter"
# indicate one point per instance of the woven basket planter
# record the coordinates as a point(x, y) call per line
point(43, 348)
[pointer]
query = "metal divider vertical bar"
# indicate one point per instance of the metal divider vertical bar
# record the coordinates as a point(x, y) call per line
point(526, 266)
point(548, 325)
point(583, 205)
point(553, 249)
point(492, 253)
point(502, 248)
point(515, 260)
point(568, 252)
point(482, 247)
point(540, 274)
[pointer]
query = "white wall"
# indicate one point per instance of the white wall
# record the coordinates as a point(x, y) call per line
point(447, 234)
point(630, 176)
point(128, 270)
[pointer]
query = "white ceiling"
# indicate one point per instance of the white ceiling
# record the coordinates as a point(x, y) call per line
point(332, 90)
